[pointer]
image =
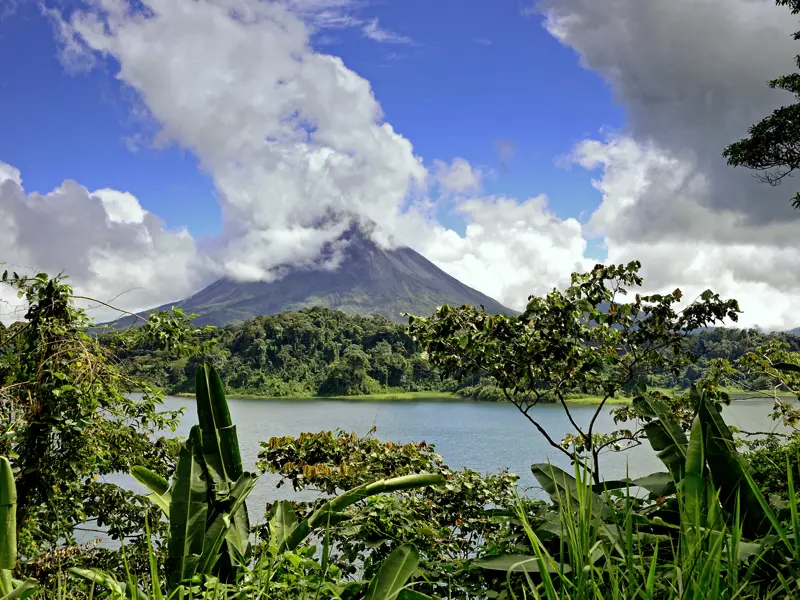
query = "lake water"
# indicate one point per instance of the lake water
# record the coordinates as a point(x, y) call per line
point(486, 437)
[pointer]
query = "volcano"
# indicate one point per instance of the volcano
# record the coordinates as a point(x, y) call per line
point(369, 281)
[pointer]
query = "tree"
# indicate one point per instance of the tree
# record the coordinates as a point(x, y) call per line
point(582, 340)
point(348, 375)
point(67, 418)
point(773, 146)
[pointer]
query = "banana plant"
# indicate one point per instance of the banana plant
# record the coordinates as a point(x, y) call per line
point(10, 588)
point(391, 580)
point(711, 455)
point(209, 531)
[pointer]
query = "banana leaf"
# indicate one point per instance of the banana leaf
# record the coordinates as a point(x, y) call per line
point(188, 512)
point(728, 469)
point(393, 574)
point(220, 442)
point(282, 520)
point(158, 486)
point(519, 563)
point(332, 508)
point(222, 459)
point(664, 434)
point(24, 590)
point(8, 516)
point(658, 484)
point(220, 529)
point(117, 590)
point(558, 484)
point(694, 483)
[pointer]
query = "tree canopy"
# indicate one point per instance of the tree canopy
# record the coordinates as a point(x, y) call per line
point(773, 144)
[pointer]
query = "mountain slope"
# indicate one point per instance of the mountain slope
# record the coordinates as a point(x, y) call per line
point(369, 281)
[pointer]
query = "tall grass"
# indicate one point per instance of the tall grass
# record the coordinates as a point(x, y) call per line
point(631, 556)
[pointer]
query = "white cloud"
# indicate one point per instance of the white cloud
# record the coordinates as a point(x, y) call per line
point(509, 249)
point(698, 247)
point(9, 173)
point(459, 176)
point(295, 138)
point(686, 88)
point(104, 241)
point(376, 33)
point(669, 199)
point(288, 140)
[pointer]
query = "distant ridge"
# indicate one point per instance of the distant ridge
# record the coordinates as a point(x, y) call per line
point(369, 281)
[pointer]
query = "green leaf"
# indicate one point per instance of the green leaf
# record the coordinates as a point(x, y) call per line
point(8, 516)
point(658, 484)
point(281, 523)
point(100, 578)
point(664, 434)
point(221, 452)
point(518, 563)
point(333, 507)
point(159, 487)
point(220, 442)
point(395, 571)
point(151, 480)
point(25, 590)
point(220, 529)
point(728, 468)
point(558, 484)
point(187, 524)
point(694, 484)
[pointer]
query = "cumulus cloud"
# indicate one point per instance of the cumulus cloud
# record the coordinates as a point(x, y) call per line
point(688, 91)
point(109, 246)
point(509, 249)
point(296, 140)
point(669, 198)
point(458, 177)
point(289, 139)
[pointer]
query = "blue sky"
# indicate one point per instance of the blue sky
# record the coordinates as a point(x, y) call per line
point(476, 75)
point(643, 95)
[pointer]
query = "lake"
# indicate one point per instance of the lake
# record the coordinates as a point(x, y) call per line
point(487, 437)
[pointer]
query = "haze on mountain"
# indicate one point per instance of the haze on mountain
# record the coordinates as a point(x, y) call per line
point(368, 280)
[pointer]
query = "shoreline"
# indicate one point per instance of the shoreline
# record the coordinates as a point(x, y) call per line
point(403, 397)
point(389, 396)
point(453, 397)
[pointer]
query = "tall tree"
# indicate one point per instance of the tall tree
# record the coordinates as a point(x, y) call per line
point(582, 340)
point(773, 146)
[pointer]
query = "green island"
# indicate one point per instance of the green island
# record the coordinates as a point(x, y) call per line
point(326, 354)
